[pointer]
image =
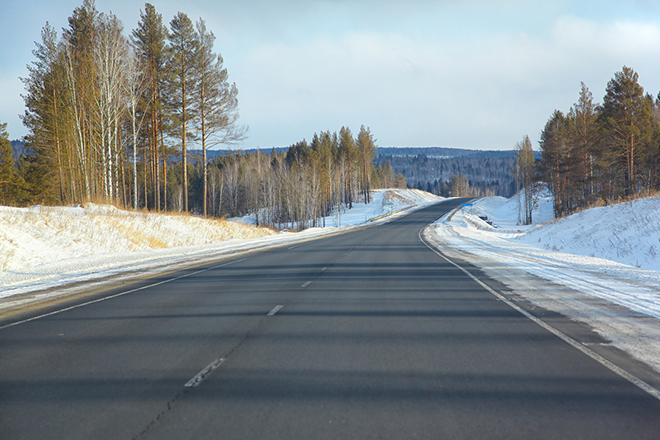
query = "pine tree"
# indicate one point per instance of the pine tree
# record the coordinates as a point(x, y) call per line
point(215, 102)
point(627, 119)
point(585, 138)
point(555, 155)
point(11, 185)
point(149, 40)
point(348, 154)
point(366, 146)
point(183, 43)
point(44, 103)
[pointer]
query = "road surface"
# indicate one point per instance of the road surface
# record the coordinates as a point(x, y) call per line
point(367, 334)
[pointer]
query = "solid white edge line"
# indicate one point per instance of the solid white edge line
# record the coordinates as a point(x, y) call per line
point(34, 318)
point(595, 356)
point(275, 310)
point(199, 377)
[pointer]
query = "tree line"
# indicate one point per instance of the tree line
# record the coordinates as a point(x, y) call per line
point(110, 118)
point(300, 187)
point(598, 153)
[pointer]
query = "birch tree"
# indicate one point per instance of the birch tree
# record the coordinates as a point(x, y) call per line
point(135, 87)
point(524, 174)
point(80, 38)
point(110, 57)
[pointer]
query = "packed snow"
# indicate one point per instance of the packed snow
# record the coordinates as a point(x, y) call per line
point(46, 247)
point(605, 259)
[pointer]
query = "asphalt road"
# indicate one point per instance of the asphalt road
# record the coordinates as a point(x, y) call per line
point(376, 337)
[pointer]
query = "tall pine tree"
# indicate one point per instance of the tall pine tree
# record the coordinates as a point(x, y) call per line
point(215, 102)
point(149, 40)
point(183, 44)
point(627, 120)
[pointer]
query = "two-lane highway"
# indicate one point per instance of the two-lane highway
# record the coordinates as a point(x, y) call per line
point(368, 334)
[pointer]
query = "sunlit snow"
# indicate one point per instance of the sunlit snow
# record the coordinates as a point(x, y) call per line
point(45, 247)
point(599, 266)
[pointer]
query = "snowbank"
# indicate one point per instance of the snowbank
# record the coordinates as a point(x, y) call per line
point(37, 235)
point(383, 202)
point(42, 247)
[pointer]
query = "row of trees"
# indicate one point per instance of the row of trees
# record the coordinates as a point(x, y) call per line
point(12, 186)
point(111, 118)
point(300, 187)
point(602, 152)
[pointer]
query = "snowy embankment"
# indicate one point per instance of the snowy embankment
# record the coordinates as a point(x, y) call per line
point(46, 247)
point(605, 258)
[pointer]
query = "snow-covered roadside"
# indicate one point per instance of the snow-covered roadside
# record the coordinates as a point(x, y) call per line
point(621, 302)
point(42, 248)
point(383, 202)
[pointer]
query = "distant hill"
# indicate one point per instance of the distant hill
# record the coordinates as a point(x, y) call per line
point(212, 154)
point(443, 152)
point(431, 168)
point(18, 148)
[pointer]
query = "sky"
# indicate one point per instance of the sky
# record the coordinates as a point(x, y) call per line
point(467, 74)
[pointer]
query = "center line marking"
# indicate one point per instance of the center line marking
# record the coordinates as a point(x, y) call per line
point(306, 284)
point(199, 377)
point(275, 310)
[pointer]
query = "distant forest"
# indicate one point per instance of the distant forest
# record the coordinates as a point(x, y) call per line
point(431, 169)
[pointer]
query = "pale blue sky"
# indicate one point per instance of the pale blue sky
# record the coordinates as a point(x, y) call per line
point(468, 74)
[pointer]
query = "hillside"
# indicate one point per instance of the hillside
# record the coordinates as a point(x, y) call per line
point(486, 172)
point(626, 233)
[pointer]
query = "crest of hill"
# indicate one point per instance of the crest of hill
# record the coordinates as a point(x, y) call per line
point(444, 152)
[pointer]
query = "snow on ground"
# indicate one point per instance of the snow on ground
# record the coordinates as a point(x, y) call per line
point(383, 202)
point(46, 247)
point(32, 236)
point(605, 259)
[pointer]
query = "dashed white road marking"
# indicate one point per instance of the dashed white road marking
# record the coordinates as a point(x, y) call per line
point(199, 377)
point(306, 284)
point(275, 310)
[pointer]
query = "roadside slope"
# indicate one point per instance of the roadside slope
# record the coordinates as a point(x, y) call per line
point(574, 266)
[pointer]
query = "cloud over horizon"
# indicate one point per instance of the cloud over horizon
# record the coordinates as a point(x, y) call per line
point(471, 75)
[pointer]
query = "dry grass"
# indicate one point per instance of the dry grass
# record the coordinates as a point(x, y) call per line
point(601, 202)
